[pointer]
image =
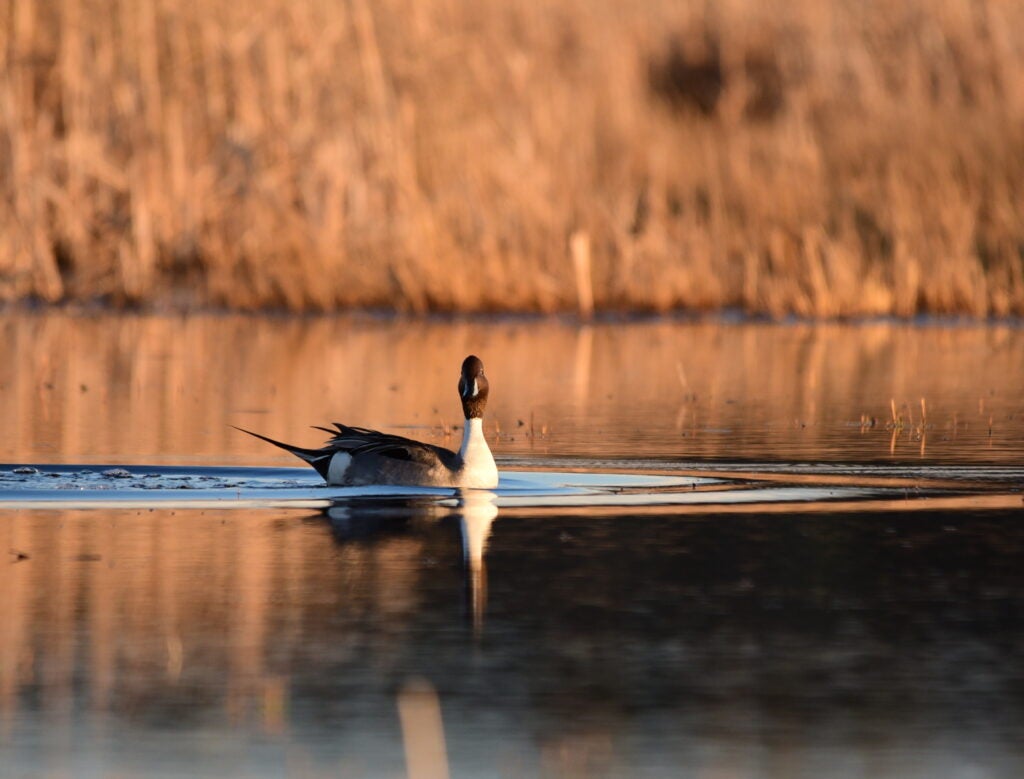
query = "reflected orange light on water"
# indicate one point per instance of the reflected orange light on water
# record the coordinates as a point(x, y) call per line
point(151, 616)
point(213, 635)
point(381, 641)
point(166, 389)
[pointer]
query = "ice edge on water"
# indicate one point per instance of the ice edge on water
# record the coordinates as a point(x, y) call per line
point(73, 486)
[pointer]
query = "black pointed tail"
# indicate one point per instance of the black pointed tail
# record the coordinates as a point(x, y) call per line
point(318, 458)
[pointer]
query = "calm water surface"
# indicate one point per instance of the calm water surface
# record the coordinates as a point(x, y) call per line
point(712, 553)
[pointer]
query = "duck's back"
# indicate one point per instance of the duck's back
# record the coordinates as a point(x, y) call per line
point(363, 456)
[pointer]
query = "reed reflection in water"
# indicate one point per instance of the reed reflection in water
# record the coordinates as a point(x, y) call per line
point(269, 643)
point(166, 389)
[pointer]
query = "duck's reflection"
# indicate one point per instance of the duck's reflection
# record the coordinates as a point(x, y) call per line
point(477, 511)
point(473, 512)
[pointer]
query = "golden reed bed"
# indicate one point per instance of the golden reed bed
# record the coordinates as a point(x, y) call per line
point(822, 158)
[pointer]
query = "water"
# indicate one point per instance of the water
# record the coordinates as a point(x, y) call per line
point(712, 552)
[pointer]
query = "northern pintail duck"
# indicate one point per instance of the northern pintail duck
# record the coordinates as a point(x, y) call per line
point(355, 455)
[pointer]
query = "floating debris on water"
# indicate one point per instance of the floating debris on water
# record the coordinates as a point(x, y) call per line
point(26, 469)
point(117, 473)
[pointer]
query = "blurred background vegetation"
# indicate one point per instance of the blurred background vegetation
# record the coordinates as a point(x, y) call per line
point(831, 158)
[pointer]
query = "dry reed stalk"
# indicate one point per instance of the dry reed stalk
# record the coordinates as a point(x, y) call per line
point(824, 159)
point(579, 248)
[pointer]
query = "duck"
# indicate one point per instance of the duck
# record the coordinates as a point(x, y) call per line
point(359, 456)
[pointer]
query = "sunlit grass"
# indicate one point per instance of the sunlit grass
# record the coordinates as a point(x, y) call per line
point(824, 159)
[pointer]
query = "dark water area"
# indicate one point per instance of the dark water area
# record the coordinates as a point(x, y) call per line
point(255, 643)
point(715, 551)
